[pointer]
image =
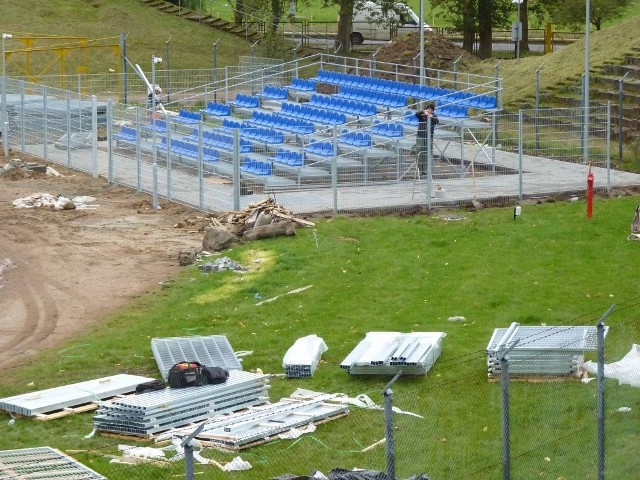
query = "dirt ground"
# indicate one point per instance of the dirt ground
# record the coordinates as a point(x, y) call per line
point(63, 270)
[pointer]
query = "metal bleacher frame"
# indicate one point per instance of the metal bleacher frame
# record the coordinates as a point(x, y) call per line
point(393, 96)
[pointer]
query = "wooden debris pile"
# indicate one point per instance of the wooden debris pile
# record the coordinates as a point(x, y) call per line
point(264, 212)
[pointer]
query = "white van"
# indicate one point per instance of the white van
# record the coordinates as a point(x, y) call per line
point(369, 23)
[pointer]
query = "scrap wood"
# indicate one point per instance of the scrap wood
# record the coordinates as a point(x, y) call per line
point(240, 221)
point(374, 445)
point(296, 290)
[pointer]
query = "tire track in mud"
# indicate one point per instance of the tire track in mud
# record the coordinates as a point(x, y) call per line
point(29, 302)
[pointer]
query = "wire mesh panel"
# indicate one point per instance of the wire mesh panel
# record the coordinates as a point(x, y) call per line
point(43, 463)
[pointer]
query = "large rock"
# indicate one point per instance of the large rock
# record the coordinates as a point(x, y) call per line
point(217, 238)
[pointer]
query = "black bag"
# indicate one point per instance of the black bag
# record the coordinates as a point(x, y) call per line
point(216, 375)
point(187, 374)
point(151, 386)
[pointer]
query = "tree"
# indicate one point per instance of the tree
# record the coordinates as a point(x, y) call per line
point(476, 17)
point(345, 18)
point(572, 13)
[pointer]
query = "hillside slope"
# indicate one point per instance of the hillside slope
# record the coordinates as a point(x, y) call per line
point(102, 22)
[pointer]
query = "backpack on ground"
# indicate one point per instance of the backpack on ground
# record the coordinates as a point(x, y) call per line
point(194, 374)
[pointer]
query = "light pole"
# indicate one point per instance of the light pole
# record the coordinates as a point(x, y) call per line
point(5, 113)
point(421, 42)
point(155, 60)
point(585, 143)
point(517, 30)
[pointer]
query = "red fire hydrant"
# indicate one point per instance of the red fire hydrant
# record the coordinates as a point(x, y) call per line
point(589, 192)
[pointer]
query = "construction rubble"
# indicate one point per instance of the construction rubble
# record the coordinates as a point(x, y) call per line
point(257, 214)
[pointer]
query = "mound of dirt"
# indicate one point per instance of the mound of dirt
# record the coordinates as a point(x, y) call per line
point(439, 53)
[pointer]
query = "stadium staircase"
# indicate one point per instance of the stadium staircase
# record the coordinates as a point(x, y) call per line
point(214, 22)
point(604, 85)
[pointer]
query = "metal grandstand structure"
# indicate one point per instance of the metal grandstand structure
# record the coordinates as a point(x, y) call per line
point(340, 139)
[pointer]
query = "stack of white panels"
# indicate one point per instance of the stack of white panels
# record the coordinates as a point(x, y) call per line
point(387, 353)
point(302, 358)
point(153, 412)
point(257, 425)
point(541, 350)
point(57, 398)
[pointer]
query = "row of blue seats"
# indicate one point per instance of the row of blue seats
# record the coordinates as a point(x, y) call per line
point(367, 83)
point(315, 115)
point(256, 167)
point(371, 96)
point(188, 118)
point(344, 105)
point(459, 97)
point(324, 149)
point(387, 129)
point(303, 85)
point(421, 92)
point(187, 149)
point(246, 101)
point(453, 110)
point(160, 126)
point(280, 122)
point(219, 140)
point(357, 139)
point(274, 93)
point(127, 134)
point(287, 157)
point(264, 135)
point(217, 109)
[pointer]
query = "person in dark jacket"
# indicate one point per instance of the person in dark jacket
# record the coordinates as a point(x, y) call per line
point(427, 121)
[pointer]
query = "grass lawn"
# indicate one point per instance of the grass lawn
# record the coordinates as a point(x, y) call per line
point(550, 266)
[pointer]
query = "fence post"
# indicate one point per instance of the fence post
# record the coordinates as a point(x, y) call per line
point(520, 166)
point(620, 100)
point(68, 128)
point(538, 106)
point(502, 351)
point(600, 390)
point(109, 142)
point(236, 169)
point(189, 473)
point(23, 126)
point(139, 154)
point(334, 169)
point(168, 158)
point(200, 167)
point(387, 393)
point(608, 149)
point(45, 130)
point(455, 72)
point(94, 136)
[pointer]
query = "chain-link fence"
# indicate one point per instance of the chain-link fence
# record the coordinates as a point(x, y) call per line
point(315, 150)
point(551, 416)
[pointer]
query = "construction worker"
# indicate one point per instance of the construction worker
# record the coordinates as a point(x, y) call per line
point(153, 100)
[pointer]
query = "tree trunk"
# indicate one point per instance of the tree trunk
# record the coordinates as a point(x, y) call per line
point(469, 27)
point(237, 14)
point(276, 10)
point(270, 231)
point(484, 29)
point(524, 18)
point(344, 27)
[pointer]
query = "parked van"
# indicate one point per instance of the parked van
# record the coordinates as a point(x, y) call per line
point(369, 23)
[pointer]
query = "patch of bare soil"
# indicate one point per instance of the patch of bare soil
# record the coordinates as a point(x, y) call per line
point(63, 270)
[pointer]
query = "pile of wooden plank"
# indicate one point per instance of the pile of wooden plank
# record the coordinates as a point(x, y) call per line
point(257, 214)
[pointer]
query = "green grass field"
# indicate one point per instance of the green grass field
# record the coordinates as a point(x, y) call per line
point(551, 266)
